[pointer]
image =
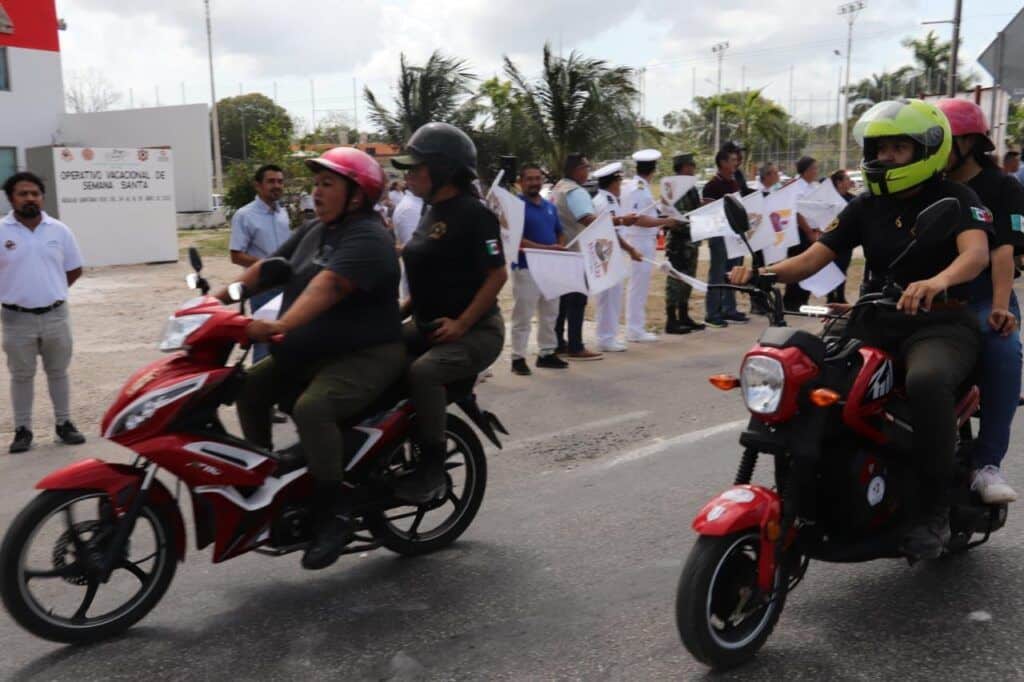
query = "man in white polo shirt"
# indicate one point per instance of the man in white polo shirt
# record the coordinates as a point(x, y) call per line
point(39, 260)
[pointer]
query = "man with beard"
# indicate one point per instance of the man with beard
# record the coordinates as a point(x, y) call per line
point(39, 260)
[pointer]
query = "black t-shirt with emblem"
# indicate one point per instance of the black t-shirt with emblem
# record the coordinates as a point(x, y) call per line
point(457, 243)
point(361, 250)
point(1004, 196)
point(883, 226)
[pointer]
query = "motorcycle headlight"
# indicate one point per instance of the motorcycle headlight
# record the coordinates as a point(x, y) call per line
point(177, 330)
point(140, 411)
point(762, 380)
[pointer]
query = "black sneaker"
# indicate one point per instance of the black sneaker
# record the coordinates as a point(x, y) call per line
point(928, 536)
point(551, 361)
point(68, 434)
point(22, 440)
point(736, 318)
point(716, 323)
point(520, 367)
point(330, 538)
point(693, 324)
point(426, 484)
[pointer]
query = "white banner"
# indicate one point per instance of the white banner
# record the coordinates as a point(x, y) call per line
point(821, 205)
point(673, 188)
point(606, 263)
point(780, 207)
point(511, 212)
point(760, 234)
point(824, 280)
point(708, 221)
point(557, 272)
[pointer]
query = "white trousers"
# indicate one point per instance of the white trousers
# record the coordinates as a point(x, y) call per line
point(608, 305)
point(529, 301)
point(640, 282)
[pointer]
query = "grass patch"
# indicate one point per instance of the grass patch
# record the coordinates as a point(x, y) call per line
point(209, 242)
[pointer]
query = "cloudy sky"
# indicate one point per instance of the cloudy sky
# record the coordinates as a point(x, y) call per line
point(157, 48)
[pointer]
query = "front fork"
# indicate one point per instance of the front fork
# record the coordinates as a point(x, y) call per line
point(125, 525)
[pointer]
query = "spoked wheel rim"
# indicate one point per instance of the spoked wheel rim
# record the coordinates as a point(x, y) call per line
point(429, 521)
point(57, 574)
point(733, 614)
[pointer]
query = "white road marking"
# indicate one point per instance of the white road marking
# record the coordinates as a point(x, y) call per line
point(662, 444)
point(979, 616)
point(576, 428)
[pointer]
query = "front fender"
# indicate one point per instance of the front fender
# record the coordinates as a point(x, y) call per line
point(744, 507)
point(121, 483)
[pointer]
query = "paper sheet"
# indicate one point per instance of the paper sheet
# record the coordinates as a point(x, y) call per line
point(824, 281)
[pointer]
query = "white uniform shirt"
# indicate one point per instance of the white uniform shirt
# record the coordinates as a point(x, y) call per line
point(605, 200)
point(34, 263)
point(639, 200)
point(407, 217)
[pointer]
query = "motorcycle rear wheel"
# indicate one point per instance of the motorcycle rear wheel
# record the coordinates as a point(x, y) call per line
point(719, 575)
point(142, 576)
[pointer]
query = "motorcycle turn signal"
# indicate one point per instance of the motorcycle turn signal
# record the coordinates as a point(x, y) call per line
point(724, 382)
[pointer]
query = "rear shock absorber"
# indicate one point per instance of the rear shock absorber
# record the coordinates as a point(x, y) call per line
point(748, 462)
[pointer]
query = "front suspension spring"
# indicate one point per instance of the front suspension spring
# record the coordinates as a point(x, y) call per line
point(747, 464)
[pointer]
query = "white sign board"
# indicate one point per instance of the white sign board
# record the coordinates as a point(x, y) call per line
point(119, 202)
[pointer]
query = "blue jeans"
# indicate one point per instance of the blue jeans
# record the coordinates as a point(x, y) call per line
point(720, 302)
point(999, 379)
point(261, 350)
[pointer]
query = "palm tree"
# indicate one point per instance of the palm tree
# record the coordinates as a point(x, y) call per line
point(747, 116)
point(577, 105)
point(882, 86)
point(440, 90)
point(931, 58)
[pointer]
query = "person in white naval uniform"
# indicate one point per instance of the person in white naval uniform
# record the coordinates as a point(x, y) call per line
point(609, 302)
point(643, 236)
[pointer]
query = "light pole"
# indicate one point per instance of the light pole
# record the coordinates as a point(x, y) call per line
point(849, 10)
point(954, 47)
point(719, 51)
point(218, 171)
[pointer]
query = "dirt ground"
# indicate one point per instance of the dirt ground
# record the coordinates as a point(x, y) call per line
point(118, 315)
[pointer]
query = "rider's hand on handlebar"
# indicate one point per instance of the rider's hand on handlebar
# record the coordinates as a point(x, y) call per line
point(261, 330)
point(741, 274)
point(919, 295)
point(1002, 321)
point(839, 308)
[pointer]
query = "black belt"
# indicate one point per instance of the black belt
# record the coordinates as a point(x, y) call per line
point(34, 311)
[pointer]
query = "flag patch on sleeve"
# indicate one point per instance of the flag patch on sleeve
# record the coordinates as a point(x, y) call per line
point(981, 214)
point(1017, 222)
point(492, 247)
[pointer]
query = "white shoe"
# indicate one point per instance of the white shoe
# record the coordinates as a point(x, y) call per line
point(991, 485)
point(646, 337)
point(612, 347)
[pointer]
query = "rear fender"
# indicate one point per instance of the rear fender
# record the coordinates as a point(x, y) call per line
point(741, 508)
point(121, 483)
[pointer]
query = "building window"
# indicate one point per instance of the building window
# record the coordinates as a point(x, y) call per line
point(8, 163)
point(5, 81)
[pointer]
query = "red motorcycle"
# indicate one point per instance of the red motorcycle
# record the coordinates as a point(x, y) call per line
point(832, 411)
point(96, 550)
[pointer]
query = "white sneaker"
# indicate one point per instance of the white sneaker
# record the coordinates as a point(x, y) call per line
point(991, 485)
point(612, 347)
point(646, 337)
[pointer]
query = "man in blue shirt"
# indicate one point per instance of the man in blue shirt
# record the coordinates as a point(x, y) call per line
point(258, 229)
point(541, 230)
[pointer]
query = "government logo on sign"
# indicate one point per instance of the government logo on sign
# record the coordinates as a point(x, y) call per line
point(88, 154)
point(67, 154)
point(143, 154)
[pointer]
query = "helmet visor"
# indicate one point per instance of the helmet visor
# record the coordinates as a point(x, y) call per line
point(898, 119)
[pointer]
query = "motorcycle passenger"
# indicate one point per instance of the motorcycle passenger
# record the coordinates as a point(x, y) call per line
point(906, 144)
point(456, 267)
point(993, 300)
point(342, 342)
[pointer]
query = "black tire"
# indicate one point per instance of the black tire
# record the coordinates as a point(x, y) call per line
point(701, 574)
point(28, 613)
point(398, 540)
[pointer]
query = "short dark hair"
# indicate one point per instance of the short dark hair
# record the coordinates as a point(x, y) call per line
point(681, 163)
point(722, 156)
point(607, 181)
point(645, 167)
point(23, 176)
point(766, 168)
point(1009, 155)
point(262, 170)
point(529, 165)
point(838, 176)
point(573, 161)
point(732, 146)
point(804, 163)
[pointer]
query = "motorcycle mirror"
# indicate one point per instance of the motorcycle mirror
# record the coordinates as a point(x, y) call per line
point(274, 272)
point(736, 214)
point(194, 259)
point(936, 223)
point(192, 280)
point(236, 290)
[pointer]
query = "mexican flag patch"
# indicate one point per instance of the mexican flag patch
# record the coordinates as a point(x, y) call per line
point(981, 214)
point(492, 247)
point(1017, 222)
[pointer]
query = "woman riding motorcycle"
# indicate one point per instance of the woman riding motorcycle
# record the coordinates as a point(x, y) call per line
point(992, 298)
point(906, 144)
point(342, 334)
point(456, 267)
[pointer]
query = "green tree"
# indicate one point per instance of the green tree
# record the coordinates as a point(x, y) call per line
point(252, 113)
point(746, 116)
point(576, 104)
point(440, 90)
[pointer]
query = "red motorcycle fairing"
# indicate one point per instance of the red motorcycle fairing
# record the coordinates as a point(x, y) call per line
point(121, 483)
point(740, 508)
point(869, 393)
point(798, 368)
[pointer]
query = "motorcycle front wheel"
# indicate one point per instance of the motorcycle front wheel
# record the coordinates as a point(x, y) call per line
point(49, 578)
point(721, 617)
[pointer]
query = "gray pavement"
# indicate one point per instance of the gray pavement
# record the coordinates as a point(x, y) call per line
point(569, 571)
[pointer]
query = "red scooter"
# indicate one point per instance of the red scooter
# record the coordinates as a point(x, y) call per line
point(832, 412)
point(96, 550)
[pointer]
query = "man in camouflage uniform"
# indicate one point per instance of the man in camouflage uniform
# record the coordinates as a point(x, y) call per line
point(682, 255)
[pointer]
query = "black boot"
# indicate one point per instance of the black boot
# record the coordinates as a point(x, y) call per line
point(333, 526)
point(672, 325)
point(687, 321)
point(428, 482)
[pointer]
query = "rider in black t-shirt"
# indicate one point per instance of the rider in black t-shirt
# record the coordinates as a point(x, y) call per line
point(456, 267)
point(906, 144)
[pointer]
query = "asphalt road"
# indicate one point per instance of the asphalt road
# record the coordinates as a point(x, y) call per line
point(568, 573)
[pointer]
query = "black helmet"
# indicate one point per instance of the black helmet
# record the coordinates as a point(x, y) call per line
point(443, 147)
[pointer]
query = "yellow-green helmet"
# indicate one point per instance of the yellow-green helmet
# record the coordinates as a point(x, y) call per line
point(923, 123)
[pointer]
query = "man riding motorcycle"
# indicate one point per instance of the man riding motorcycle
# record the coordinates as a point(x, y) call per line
point(342, 334)
point(906, 145)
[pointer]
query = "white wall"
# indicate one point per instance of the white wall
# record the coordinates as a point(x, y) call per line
point(183, 128)
point(30, 111)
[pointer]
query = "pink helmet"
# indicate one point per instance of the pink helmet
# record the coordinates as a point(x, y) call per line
point(357, 166)
point(966, 118)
